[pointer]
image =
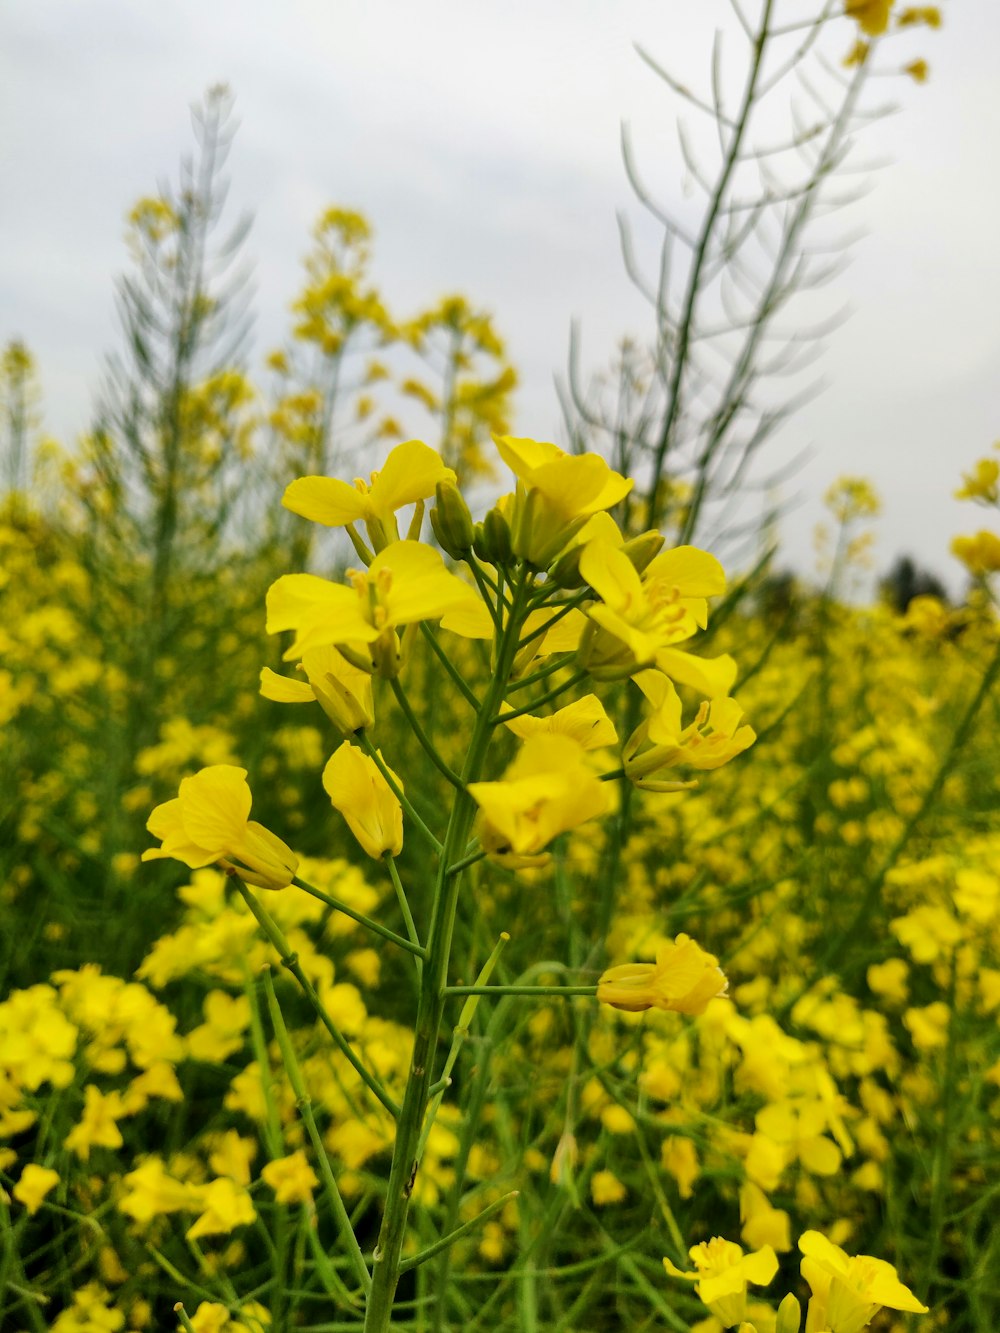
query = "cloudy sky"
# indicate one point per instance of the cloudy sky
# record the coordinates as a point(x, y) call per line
point(482, 140)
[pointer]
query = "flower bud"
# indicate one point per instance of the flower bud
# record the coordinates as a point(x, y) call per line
point(565, 573)
point(492, 539)
point(643, 548)
point(451, 521)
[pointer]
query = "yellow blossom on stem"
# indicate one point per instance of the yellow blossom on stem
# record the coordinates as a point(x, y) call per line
point(225, 1206)
point(342, 690)
point(36, 1181)
point(717, 734)
point(871, 16)
point(556, 494)
point(640, 615)
point(722, 1274)
point(980, 554)
point(584, 721)
point(683, 979)
point(411, 473)
point(97, 1127)
point(548, 789)
point(847, 1292)
point(153, 1191)
point(292, 1178)
point(358, 790)
point(207, 824)
point(405, 583)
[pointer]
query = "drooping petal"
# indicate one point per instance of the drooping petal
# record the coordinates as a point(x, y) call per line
point(215, 805)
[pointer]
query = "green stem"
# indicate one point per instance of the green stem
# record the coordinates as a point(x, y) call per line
point(291, 963)
point(446, 1242)
point(304, 1104)
point(521, 990)
point(575, 679)
point(418, 731)
point(430, 1006)
point(404, 907)
point(457, 678)
point(466, 861)
point(410, 945)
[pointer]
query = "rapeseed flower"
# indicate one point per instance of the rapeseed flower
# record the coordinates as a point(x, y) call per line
point(411, 473)
point(717, 734)
point(683, 979)
point(847, 1292)
point(35, 1183)
point(292, 1178)
point(342, 690)
point(405, 583)
point(358, 790)
point(548, 789)
point(207, 824)
point(556, 494)
point(723, 1273)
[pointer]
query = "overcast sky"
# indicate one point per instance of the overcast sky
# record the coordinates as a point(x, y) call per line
point(482, 140)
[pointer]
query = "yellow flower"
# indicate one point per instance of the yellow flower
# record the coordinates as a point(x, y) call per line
point(224, 1206)
point(35, 1183)
point(411, 473)
point(342, 690)
point(556, 494)
point(292, 1178)
point(983, 483)
point(683, 979)
point(848, 1291)
point(584, 721)
point(717, 734)
point(97, 1128)
point(152, 1191)
point(405, 583)
point(872, 16)
point(207, 824)
point(548, 789)
point(358, 790)
point(929, 14)
point(980, 554)
point(917, 70)
point(639, 616)
point(723, 1272)
point(605, 1188)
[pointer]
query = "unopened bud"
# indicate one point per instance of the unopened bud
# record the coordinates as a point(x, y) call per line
point(492, 539)
point(451, 521)
point(642, 549)
point(789, 1315)
point(565, 573)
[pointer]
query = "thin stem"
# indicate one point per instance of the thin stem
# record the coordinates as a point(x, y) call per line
point(538, 703)
point(404, 907)
point(410, 945)
point(457, 678)
point(466, 861)
point(291, 963)
point(446, 1242)
point(539, 991)
point(421, 735)
point(304, 1104)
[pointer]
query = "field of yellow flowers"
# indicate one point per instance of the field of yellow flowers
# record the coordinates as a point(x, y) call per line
point(449, 899)
point(703, 990)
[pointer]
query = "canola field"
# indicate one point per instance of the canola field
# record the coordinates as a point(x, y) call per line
point(542, 963)
point(443, 889)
